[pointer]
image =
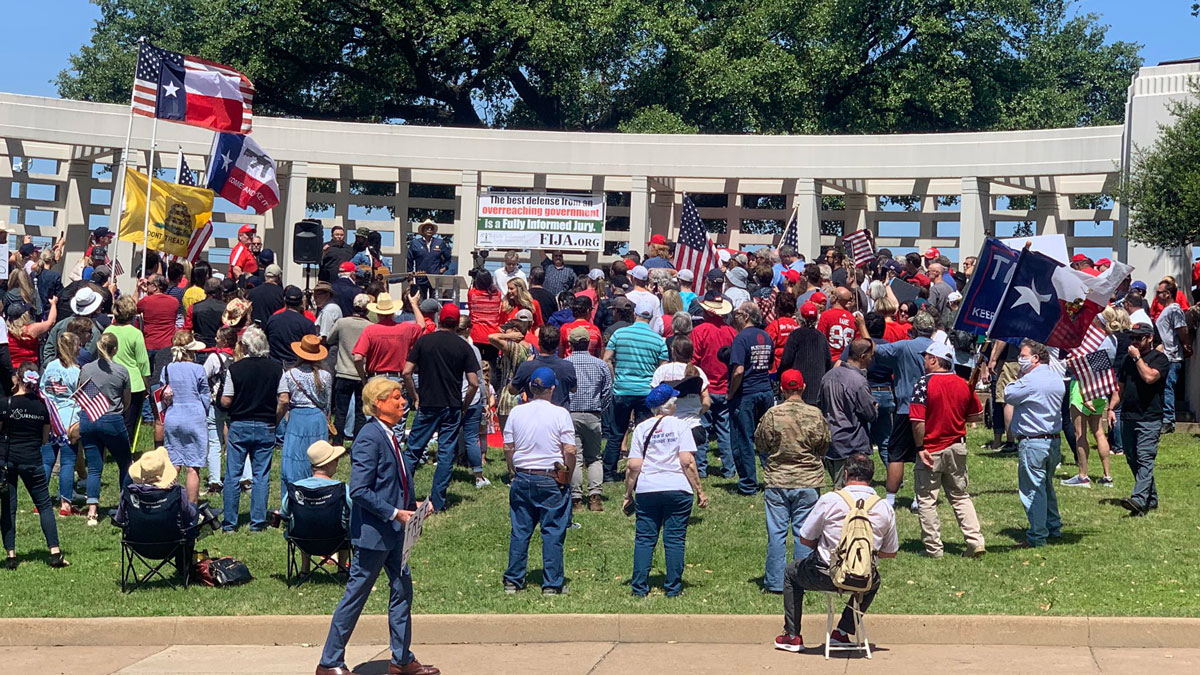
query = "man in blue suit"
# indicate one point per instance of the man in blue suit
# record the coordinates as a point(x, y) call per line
point(428, 253)
point(382, 494)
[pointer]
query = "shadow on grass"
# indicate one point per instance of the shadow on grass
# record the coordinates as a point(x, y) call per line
point(1017, 534)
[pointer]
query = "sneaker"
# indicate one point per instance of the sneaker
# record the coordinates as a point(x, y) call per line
point(1105, 481)
point(790, 643)
point(1133, 507)
point(975, 553)
point(215, 488)
point(511, 588)
point(93, 521)
point(1167, 428)
point(481, 483)
point(913, 506)
point(1119, 452)
point(555, 590)
point(1080, 481)
point(69, 511)
point(839, 639)
point(246, 485)
point(595, 503)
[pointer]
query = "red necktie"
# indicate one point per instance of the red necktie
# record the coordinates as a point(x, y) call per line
point(403, 473)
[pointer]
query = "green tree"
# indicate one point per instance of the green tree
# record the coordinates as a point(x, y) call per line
point(667, 66)
point(1163, 189)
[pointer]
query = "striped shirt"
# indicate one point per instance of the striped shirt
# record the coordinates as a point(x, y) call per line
point(637, 353)
point(594, 381)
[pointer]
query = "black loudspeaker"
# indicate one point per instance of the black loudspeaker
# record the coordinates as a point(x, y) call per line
point(306, 242)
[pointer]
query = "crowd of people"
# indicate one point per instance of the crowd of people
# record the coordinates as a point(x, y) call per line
point(624, 373)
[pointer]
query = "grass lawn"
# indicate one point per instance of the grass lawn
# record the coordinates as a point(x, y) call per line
point(1105, 564)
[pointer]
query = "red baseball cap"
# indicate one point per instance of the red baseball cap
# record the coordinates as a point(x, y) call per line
point(629, 264)
point(347, 267)
point(1078, 257)
point(791, 380)
point(792, 276)
point(818, 298)
point(449, 311)
point(932, 252)
point(921, 280)
point(809, 311)
point(1104, 261)
point(245, 229)
point(658, 239)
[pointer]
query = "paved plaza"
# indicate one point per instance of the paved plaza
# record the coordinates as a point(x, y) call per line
point(602, 658)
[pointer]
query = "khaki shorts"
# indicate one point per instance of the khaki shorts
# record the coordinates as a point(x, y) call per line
point(1010, 371)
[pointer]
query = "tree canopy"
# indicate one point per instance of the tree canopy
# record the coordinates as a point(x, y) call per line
point(1163, 190)
point(728, 66)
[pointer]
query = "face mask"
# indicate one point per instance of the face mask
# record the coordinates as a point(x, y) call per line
point(1026, 362)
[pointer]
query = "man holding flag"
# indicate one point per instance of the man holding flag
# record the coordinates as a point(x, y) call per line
point(1141, 384)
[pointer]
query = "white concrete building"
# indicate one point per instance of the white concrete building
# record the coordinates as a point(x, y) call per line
point(913, 190)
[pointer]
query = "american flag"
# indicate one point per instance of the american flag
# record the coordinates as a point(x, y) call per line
point(148, 73)
point(185, 176)
point(858, 245)
point(1093, 366)
point(694, 251)
point(56, 425)
point(790, 236)
point(92, 401)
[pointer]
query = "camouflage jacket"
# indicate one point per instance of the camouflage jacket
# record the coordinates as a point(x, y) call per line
point(792, 438)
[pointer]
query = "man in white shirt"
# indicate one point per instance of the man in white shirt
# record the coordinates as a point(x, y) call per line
point(821, 531)
point(539, 437)
point(641, 297)
point(511, 270)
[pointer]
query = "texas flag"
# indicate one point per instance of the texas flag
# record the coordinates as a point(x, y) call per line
point(1051, 303)
point(241, 172)
point(188, 89)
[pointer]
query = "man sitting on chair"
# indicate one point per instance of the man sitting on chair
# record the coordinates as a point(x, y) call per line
point(821, 531)
point(324, 459)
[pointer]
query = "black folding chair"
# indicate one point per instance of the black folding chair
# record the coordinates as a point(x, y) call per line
point(153, 539)
point(316, 530)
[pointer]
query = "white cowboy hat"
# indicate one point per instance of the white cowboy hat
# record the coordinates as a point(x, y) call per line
point(383, 305)
point(86, 301)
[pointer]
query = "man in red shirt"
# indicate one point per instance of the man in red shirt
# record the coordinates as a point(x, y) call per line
point(839, 324)
point(708, 338)
point(241, 260)
point(581, 309)
point(159, 311)
point(942, 404)
point(383, 347)
point(1083, 264)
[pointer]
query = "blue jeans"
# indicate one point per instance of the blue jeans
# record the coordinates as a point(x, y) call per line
point(256, 441)
point(623, 407)
point(1169, 394)
point(666, 512)
point(537, 500)
point(446, 421)
point(716, 421)
point(786, 509)
point(217, 421)
point(470, 436)
point(65, 453)
point(107, 433)
point(1140, 440)
point(881, 429)
point(747, 410)
point(1036, 460)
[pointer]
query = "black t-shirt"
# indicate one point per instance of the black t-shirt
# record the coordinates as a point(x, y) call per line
point(564, 375)
point(1142, 402)
point(546, 301)
point(807, 351)
point(442, 358)
point(24, 416)
point(265, 300)
point(285, 328)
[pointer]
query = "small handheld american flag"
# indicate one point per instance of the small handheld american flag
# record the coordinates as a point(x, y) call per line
point(858, 245)
point(92, 401)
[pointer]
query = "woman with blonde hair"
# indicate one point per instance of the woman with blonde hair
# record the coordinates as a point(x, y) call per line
point(187, 400)
point(59, 381)
point(131, 353)
point(672, 304)
point(1089, 415)
point(518, 298)
point(107, 430)
point(20, 288)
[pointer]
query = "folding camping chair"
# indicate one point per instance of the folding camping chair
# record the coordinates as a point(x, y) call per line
point(862, 644)
point(316, 529)
point(152, 537)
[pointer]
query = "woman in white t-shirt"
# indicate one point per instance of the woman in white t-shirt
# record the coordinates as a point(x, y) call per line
point(662, 473)
point(693, 400)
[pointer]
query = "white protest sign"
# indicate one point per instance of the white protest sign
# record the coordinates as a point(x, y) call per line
point(5, 247)
point(526, 220)
point(414, 527)
point(1053, 245)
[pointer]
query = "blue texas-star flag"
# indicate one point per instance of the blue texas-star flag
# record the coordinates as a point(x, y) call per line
point(1052, 303)
point(986, 290)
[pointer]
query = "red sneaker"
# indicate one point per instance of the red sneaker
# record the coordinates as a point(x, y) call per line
point(839, 639)
point(790, 643)
point(69, 511)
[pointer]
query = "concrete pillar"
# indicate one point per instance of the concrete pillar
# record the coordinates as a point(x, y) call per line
point(857, 206)
point(1050, 206)
point(74, 223)
point(974, 210)
point(402, 223)
point(295, 201)
point(466, 221)
point(639, 215)
point(808, 218)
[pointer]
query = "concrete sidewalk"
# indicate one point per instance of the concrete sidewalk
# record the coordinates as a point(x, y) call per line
point(603, 658)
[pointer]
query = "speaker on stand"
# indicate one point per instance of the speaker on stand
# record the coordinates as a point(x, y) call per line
point(307, 238)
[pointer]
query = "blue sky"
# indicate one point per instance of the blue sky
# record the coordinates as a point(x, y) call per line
point(40, 35)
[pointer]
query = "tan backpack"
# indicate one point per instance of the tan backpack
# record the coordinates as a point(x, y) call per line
point(852, 563)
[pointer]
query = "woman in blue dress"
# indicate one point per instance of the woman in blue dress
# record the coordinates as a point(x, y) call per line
point(187, 400)
point(304, 394)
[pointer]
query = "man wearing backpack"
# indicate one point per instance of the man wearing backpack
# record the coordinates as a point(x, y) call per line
point(836, 528)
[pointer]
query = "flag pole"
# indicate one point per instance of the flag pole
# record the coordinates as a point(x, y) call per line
point(118, 198)
point(149, 191)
